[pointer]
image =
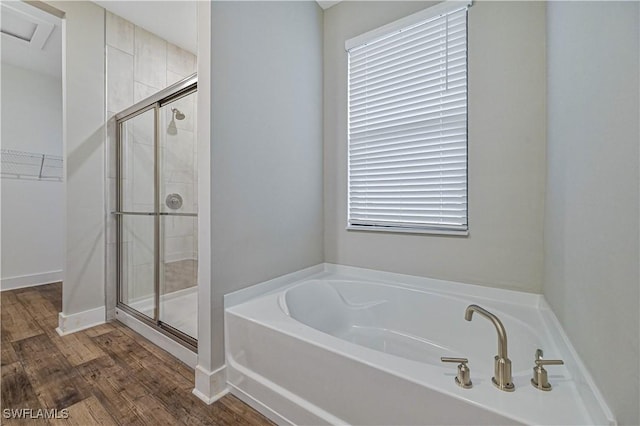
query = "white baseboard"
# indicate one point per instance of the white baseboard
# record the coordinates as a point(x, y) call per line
point(263, 409)
point(22, 281)
point(211, 385)
point(168, 344)
point(68, 324)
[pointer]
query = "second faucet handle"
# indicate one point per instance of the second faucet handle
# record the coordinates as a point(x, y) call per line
point(463, 378)
point(540, 379)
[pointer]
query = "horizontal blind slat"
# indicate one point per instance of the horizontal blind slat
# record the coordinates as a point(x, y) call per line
point(413, 216)
point(412, 152)
point(433, 200)
point(423, 184)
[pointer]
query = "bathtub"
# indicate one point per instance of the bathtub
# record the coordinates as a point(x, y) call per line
point(342, 345)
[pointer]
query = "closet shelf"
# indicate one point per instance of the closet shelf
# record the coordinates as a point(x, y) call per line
point(30, 165)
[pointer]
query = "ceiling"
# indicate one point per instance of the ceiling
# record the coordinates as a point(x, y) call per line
point(31, 38)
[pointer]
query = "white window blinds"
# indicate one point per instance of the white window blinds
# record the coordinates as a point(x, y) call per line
point(408, 125)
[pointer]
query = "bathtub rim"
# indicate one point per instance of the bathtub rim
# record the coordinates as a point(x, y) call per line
point(414, 282)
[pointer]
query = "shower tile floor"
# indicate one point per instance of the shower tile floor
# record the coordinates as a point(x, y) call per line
point(179, 310)
point(180, 275)
point(179, 301)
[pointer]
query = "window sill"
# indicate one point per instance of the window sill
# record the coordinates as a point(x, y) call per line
point(400, 230)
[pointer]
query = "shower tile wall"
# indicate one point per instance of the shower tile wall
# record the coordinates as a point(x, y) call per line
point(140, 64)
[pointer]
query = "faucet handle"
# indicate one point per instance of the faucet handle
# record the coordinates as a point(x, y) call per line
point(463, 378)
point(449, 359)
point(540, 362)
point(540, 379)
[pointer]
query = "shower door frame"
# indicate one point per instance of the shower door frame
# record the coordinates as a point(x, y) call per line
point(172, 93)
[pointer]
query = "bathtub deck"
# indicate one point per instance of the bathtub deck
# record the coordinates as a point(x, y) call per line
point(106, 375)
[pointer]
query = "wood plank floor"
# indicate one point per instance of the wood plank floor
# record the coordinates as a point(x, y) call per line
point(106, 375)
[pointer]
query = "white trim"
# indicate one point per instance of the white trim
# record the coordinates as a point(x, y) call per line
point(263, 409)
point(22, 281)
point(168, 344)
point(208, 351)
point(68, 324)
point(271, 399)
point(439, 9)
point(211, 385)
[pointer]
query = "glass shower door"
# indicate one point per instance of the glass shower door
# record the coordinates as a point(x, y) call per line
point(156, 207)
point(178, 222)
point(137, 219)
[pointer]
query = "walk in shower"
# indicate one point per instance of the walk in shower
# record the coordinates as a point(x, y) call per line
point(156, 211)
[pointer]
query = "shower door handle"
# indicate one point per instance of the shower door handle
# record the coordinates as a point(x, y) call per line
point(153, 214)
point(133, 213)
point(177, 214)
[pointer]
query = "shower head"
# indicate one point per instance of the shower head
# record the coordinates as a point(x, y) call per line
point(179, 115)
point(176, 114)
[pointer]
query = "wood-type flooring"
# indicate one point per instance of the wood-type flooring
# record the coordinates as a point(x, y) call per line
point(105, 375)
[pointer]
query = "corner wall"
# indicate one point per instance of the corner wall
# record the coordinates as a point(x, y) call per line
point(83, 291)
point(592, 214)
point(506, 153)
point(266, 146)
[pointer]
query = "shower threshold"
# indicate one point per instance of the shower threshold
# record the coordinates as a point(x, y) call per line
point(158, 337)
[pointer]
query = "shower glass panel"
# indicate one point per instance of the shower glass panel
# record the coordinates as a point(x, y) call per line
point(137, 223)
point(178, 224)
point(156, 211)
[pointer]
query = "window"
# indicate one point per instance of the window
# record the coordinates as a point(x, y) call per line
point(407, 131)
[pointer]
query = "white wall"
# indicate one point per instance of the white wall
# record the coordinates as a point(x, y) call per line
point(32, 211)
point(592, 213)
point(506, 151)
point(84, 96)
point(266, 148)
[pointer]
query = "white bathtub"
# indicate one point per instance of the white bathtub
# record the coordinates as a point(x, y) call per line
point(352, 346)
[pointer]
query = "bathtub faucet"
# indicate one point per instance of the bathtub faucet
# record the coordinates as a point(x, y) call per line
point(502, 363)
